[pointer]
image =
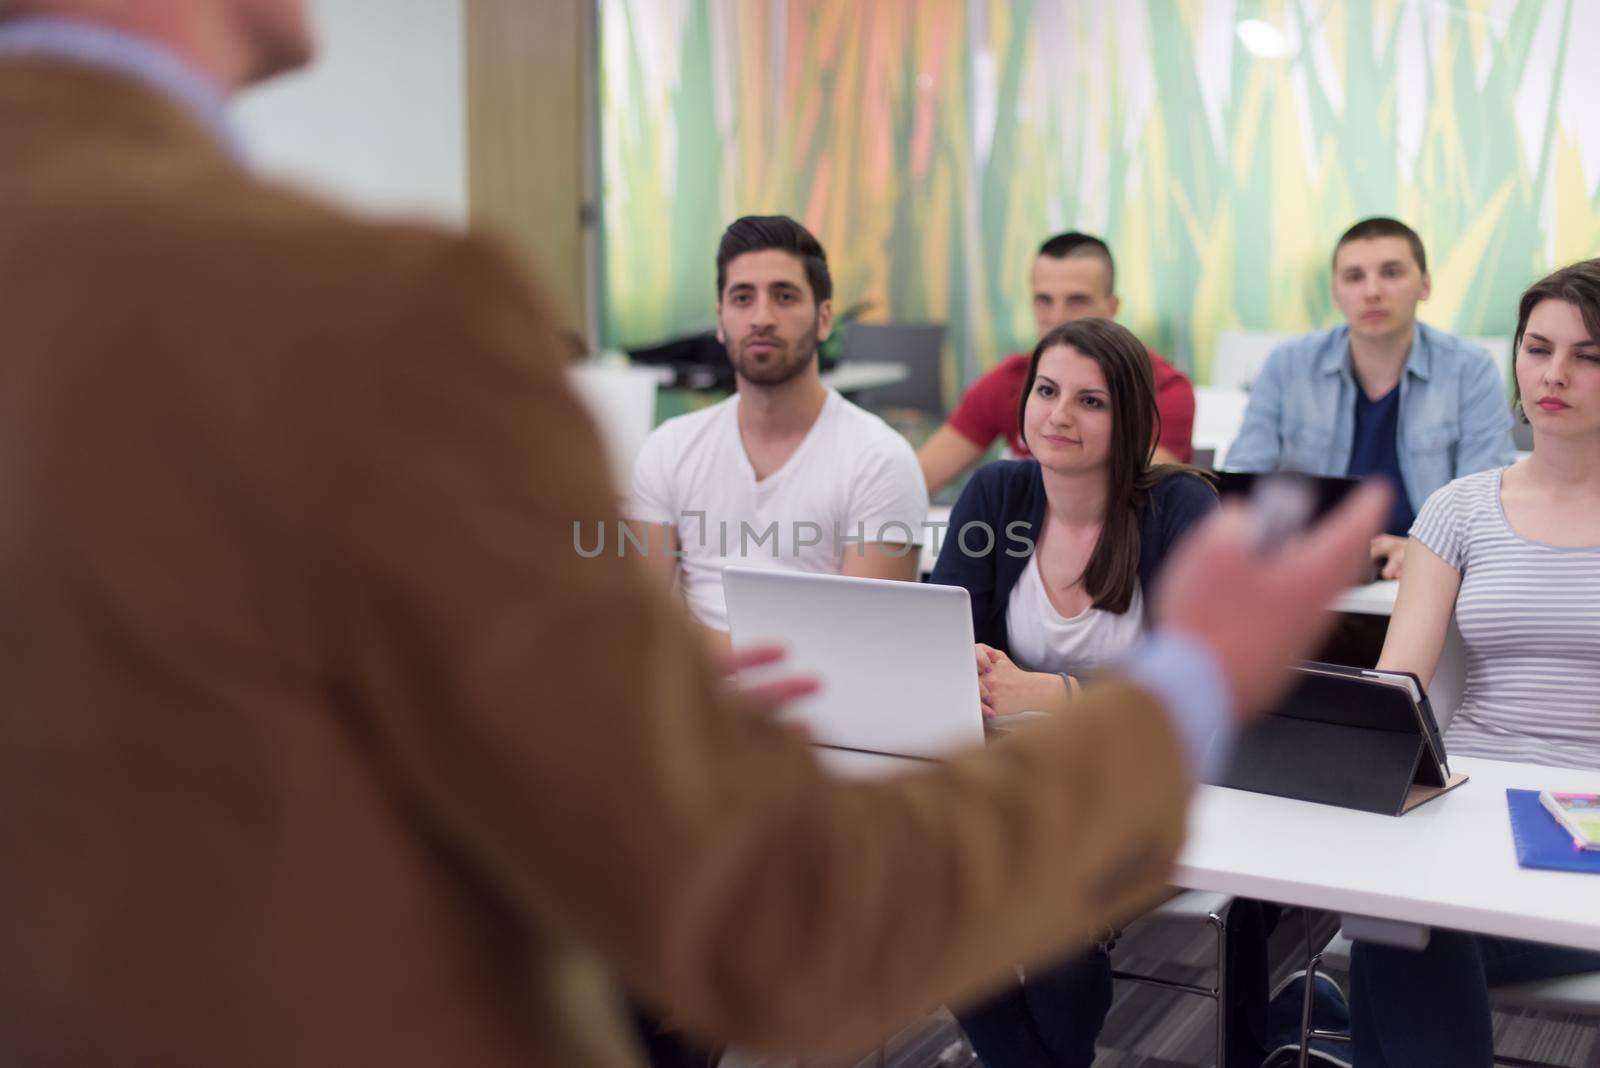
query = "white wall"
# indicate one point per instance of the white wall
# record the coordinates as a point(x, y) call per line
point(379, 121)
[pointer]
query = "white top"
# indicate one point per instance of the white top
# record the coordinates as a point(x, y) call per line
point(852, 481)
point(1529, 615)
point(1448, 863)
point(1042, 639)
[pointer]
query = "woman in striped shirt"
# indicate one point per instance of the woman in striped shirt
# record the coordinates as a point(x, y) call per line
point(1514, 553)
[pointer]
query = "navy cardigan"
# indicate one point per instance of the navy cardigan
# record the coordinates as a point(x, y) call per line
point(1007, 497)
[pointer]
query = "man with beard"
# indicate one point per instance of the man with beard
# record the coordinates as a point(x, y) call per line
point(785, 473)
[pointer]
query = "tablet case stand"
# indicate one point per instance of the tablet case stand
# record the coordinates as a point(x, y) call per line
point(1343, 737)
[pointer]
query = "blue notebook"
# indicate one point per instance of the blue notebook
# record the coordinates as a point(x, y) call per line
point(1541, 841)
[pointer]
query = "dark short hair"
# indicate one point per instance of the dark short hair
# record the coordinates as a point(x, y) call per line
point(1383, 226)
point(1113, 567)
point(757, 233)
point(1579, 285)
point(1086, 246)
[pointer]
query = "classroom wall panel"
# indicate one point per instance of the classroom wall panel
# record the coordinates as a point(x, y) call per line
point(378, 121)
point(530, 127)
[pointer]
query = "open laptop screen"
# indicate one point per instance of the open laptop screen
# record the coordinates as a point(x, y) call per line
point(895, 660)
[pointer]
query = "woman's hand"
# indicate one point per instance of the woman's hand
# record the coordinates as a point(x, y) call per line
point(1004, 688)
point(1392, 551)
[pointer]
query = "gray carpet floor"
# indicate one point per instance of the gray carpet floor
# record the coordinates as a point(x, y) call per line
point(1154, 1028)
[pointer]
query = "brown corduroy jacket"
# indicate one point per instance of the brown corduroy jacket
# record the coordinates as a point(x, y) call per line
point(320, 744)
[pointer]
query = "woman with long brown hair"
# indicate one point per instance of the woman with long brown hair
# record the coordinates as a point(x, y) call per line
point(1059, 554)
point(1512, 554)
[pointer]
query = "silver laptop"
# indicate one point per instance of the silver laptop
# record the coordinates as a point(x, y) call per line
point(895, 659)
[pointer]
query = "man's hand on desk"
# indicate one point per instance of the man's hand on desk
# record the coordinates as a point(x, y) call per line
point(1255, 612)
point(1392, 551)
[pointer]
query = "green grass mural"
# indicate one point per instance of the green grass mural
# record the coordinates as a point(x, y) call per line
point(931, 144)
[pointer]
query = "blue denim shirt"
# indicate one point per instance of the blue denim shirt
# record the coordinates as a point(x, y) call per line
point(1454, 416)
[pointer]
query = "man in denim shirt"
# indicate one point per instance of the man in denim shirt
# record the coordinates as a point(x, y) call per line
point(1382, 394)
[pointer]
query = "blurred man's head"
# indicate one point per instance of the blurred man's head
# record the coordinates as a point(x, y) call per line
point(1380, 273)
point(235, 42)
point(1073, 278)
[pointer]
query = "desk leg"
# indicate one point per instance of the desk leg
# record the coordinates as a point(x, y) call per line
point(1384, 932)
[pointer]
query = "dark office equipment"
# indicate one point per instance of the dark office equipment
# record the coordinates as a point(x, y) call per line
point(918, 346)
point(698, 361)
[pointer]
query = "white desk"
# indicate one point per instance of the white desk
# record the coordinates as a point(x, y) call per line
point(853, 376)
point(1373, 599)
point(850, 377)
point(1449, 863)
point(854, 764)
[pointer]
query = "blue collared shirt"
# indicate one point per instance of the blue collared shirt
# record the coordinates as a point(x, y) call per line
point(1454, 416)
point(136, 57)
point(1187, 679)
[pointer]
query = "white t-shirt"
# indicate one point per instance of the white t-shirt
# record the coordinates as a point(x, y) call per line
point(853, 480)
point(1042, 639)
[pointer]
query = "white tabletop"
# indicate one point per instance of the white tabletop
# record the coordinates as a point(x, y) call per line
point(1373, 599)
point(1449, 863)
point(855, 764)
point(852, 376)
point(849, 377)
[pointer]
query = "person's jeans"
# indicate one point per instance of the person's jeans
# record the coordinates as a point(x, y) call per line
point(1052, 1018)
point(1431, 1007)
point(1048, 1021)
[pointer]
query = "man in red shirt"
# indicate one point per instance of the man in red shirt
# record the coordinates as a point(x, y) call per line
point(1073, 278)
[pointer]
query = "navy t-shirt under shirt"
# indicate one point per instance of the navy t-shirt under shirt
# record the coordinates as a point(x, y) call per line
point(1375, 451)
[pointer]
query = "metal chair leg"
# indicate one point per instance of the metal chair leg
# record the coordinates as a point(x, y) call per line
point(1305, 1010)
point(1220, 925)
point(1217, 992)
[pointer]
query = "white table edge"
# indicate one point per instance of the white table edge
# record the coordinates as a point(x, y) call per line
point(1405, 910)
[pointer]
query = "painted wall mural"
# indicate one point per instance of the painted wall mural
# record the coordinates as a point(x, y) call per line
point(932, 144)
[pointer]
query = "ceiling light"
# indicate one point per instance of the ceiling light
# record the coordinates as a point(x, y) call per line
point(1263, 39)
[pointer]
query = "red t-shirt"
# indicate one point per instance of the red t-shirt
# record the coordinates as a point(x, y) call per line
point(989, 408)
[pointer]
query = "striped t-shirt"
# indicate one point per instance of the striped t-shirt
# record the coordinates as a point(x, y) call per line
point(1529, 615)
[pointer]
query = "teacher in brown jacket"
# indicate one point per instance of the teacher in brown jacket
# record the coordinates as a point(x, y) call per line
point(318, 742)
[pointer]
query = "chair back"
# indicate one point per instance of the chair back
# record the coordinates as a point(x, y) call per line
point(1499, 347)
point(1218, 415)
point(1240, 355)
